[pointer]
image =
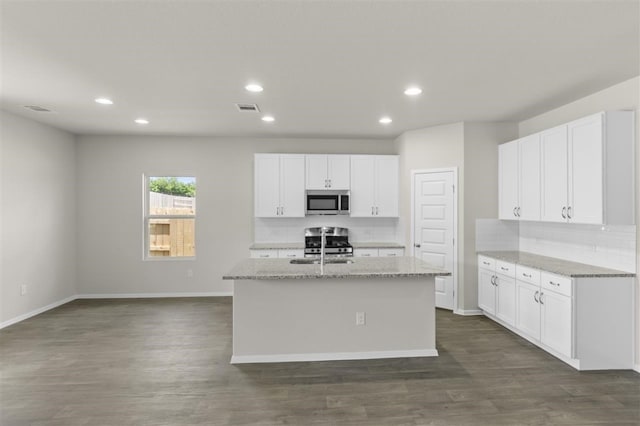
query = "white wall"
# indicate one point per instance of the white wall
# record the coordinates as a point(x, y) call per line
point(38, 216)
point(472, 148)
point(625, 95)
point(480, 191)
point(110, 239)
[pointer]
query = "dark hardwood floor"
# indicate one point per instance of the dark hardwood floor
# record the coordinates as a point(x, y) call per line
point(166, 362)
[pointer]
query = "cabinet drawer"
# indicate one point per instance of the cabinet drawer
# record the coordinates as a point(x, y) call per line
point(486, 263)
point(290, 253)
point(264, 254)
point(528, 275)
point(556, 283)
point(390, 252)
point(365, 252)
point(505, 268)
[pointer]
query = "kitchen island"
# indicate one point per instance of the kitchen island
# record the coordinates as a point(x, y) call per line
point(370, 308)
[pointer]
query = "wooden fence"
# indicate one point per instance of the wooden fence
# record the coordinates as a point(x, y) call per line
point(171, 236)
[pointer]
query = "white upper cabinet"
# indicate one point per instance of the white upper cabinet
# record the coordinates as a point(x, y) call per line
point(588, 170)
point(519, 179)
point(279, 185)
point(328, 172)
point(554, 174)
point(374, 185)
point(508, 180)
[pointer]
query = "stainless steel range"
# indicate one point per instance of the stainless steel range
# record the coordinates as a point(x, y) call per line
point(336, 244)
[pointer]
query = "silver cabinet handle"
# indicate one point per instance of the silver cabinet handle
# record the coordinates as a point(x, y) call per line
point(372, 210)
point(555, 284)
point(391, 254)
point(526, 275)
point(486, 263)
point(329, 180)
point(535, 297)
point(514, 211)
point(417, 245)
point(366, 255)
point(326, 184)
point(291, 255)
point(569, 212)
point(277, 211)
point(504, 269)
point(493, 280)
point(264, 255)
point(541, 294)
point(518, 211)
point(564, 214)
point(377, 211)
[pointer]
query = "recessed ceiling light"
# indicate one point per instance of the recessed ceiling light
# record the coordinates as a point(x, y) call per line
point(413, 91)
point(385, 120)
point(104, 101)
point(254, 88)
point(268, 118)
point(141, 121)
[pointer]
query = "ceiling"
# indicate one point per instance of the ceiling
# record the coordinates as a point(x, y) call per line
point(328, 68)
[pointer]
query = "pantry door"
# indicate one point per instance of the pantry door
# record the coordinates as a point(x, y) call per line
point(434, 228)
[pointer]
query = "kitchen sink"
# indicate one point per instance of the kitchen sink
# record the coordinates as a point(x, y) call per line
point(317, 261)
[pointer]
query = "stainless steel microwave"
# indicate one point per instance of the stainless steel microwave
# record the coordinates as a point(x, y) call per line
point(327, 202)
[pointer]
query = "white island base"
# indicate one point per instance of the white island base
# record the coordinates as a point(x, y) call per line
point(280, 320)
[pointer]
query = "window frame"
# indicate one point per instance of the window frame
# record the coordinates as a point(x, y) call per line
point(146, 217)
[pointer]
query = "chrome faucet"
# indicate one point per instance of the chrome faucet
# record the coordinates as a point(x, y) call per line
point(323, 243)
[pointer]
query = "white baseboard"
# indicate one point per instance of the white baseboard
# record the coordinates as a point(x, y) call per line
point(108, 296)
point(468, 312)
point(637, 368)
point(36, 312)
point(335, 356)
point(151, 295)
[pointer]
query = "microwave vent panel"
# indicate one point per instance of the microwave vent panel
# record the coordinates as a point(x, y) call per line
point(248, 108)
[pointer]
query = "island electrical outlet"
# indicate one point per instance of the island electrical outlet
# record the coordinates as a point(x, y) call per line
point(360, 318)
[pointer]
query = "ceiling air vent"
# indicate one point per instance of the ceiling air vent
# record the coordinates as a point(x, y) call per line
point(248, 108)
point(37, 108)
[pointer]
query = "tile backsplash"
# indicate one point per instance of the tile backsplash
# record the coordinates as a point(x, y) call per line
point(607, 246)
point(291, 230)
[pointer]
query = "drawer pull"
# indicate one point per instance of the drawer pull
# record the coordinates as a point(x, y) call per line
point(366, 255)
point(504, 269)
point(541, 301)
point(526, 275)
point(391, 254)
point(264, 255)
point(535, 297)
point(486, 263)
point(555, 284)
point(291, 255)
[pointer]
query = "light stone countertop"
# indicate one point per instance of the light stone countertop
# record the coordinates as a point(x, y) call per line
point(300, 245)
point(275, 246)
point(362, 267)
point(555, 265)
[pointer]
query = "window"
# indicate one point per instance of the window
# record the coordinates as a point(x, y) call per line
point(170, 216)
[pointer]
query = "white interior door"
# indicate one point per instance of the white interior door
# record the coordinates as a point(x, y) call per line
point(433, 232)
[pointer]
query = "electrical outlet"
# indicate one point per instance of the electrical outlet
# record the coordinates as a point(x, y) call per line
point(23, 289)
point(189, 273)
point(360, 318)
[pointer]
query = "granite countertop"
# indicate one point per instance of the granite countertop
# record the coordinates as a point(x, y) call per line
point(375, 244)
point(300, 245)
point(555, 265)
point(362, 267)
point(275, 246)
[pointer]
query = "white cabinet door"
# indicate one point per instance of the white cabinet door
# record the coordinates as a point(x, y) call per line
point(365, 252)
point(556, 322)
point(292, 185)
point(554, 174)
point(529, 188)
point(506, 299)
point(338, 172)
point(486, 291)
point(327, 172)
point(387, 191)
point(316, 172)
point(267, 185)
point(508, 180)
point(362, 198)
point(528, 309)
point(585, 152)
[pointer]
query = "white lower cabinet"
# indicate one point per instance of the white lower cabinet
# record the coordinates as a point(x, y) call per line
point(497, 289)
point(276, 253)
point(375, 252)
point(587, 322)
